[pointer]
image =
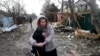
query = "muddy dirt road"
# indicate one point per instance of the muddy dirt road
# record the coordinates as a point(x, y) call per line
point(15, 43)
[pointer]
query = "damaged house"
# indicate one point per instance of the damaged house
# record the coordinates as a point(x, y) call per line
point(82, 17)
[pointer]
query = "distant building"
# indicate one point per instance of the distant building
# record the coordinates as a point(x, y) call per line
point(81, 5)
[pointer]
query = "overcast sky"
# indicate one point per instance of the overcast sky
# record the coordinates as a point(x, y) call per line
point(35, 6)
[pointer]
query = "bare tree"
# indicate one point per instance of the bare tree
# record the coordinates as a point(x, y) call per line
point(12, 7)
point(46, 4)
point(50, 11)
point(4, 6)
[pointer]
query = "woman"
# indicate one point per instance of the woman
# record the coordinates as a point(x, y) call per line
point(50, 49)
point(39, 37)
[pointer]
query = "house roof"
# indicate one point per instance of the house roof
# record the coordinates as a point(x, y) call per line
point(3, 13)
point(80, 2)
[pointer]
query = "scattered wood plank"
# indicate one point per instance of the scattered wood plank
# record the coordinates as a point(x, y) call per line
point(86, 34)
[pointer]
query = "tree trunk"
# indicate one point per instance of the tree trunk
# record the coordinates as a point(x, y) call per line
point(72, 12)
point(72, 9)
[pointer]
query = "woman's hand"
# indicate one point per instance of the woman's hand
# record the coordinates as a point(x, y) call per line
point(44, 34)
point(40, 44)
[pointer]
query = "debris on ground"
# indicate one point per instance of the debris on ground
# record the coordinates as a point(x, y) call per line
point(79, 45)
point(15, 43)
point(8, 29)
point(86, 34)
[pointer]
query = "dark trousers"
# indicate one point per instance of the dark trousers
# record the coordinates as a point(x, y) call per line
point(38, 51)
point(51, 53)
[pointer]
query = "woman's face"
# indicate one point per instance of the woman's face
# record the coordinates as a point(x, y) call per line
point(43, 22)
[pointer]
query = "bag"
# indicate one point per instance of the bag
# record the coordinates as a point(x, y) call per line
point(33, 54)
point(34, 51)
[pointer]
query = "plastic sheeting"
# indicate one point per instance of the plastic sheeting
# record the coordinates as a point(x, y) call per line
point(8, 29)
point(8, 24)
point(7, 21)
